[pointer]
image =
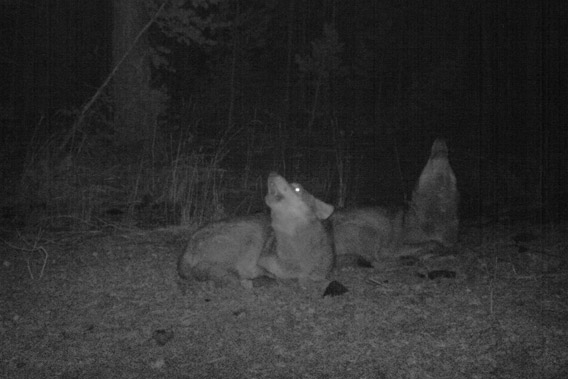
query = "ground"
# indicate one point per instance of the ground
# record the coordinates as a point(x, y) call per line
point(110, 305)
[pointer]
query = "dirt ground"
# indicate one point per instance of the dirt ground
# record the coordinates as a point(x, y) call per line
point(110, 305)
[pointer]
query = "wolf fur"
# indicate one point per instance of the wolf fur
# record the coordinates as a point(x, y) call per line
point(431, 220)
point(291, 243)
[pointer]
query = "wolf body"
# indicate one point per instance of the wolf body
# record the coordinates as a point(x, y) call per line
point(291, 243)
point(431, 220)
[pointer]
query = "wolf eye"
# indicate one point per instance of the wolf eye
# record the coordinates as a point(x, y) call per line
point(297, 187)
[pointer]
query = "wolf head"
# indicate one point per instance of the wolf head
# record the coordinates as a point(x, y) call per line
point(433, 213)
point(291, 206)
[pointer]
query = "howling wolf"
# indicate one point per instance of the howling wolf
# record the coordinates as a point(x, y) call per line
point(291, 243)
point(375, 234)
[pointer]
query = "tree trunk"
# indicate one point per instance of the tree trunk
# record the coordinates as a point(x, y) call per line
point(290, 50)
point(136, 109)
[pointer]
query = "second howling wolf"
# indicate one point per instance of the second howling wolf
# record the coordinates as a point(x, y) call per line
point(303, 235)
point(431, 220)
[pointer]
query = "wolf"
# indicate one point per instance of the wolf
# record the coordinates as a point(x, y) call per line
point(430, 221)
point(292, 243)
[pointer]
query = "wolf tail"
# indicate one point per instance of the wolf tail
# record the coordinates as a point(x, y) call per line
point(192, 269)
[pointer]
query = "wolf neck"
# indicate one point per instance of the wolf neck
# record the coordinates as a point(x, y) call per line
point(294, 237)
point(292, 227)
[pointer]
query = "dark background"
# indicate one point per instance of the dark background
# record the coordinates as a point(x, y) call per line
point(489, 76)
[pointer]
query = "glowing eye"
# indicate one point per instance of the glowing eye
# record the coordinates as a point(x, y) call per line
point(296, 187)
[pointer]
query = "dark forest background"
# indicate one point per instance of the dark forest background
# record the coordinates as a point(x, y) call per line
point(159, 112)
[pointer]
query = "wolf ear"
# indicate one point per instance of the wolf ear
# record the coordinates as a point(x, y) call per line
point(322, 210)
